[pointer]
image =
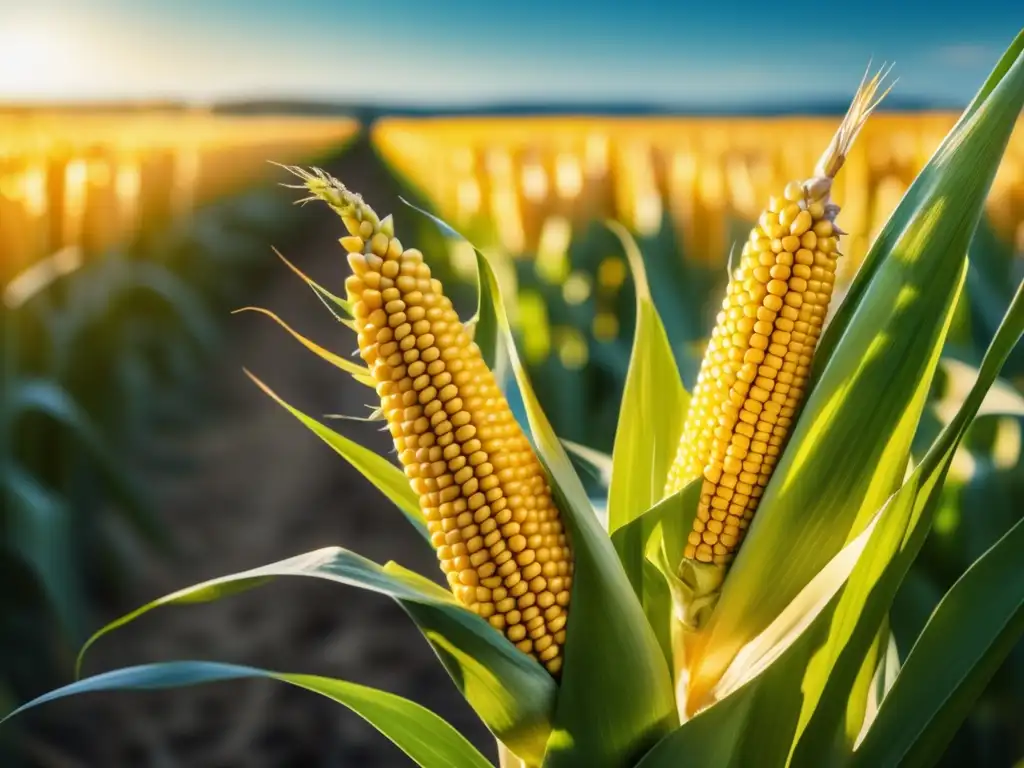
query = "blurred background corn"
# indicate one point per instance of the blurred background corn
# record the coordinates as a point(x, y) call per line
point(509, 176)
point(752, 379)
point(94, 181)
point(488, 507)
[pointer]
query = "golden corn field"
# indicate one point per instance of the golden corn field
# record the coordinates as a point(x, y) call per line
point(528, 180)
point(697, 495)
point(92, 180)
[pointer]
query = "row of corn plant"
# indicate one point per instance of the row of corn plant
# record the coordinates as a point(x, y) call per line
point(513, 177)
point(103, 362)
point(734, 607)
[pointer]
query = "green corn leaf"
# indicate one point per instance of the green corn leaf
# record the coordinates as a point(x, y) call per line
point(385, 476)
point(855, 623)
point(888, 670)
point(895, 544)
point(613, 718)
point(359, 372)
point(48, 398)
point(427, 739)
point(39, 528)
point(159, 285)
point(487, 331)
point(672, 519)
point(850, 445)
point(712, 738)
point(508, 689)
point(974, 628)
point(885, 676)
point(651, 416)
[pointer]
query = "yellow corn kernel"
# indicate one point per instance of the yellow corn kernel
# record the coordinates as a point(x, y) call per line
point(734, 431)
point(491, 517)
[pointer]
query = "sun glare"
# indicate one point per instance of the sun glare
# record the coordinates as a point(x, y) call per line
point(35, 60)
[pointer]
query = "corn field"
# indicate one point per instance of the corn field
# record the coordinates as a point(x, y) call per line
point(523, 180)
point(611, 569)
point(93, 181)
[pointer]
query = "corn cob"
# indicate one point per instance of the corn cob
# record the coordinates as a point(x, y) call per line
point(488, 507)
point(755, 369)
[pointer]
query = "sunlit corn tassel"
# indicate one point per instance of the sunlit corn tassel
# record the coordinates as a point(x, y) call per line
point(488, 507)
point(755, 370)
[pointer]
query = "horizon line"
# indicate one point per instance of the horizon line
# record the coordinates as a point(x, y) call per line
point(341, 107)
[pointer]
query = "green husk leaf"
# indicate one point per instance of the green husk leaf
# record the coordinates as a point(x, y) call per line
point(672, 519)
point(836, 470)
point(752, 727)
point(653, 395)
point(487, 331)
point(885, 677)
point(385, 476)
point(664, 595)
point(810, 606)
point(427, 739)
point(642, 455)
point(860, 698)
point(512, 693)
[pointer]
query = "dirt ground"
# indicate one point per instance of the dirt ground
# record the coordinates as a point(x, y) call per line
point(262, 488)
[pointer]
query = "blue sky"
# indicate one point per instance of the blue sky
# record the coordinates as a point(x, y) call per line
point(463, 52)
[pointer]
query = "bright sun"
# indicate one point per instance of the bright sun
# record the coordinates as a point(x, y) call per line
point(35, 60)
